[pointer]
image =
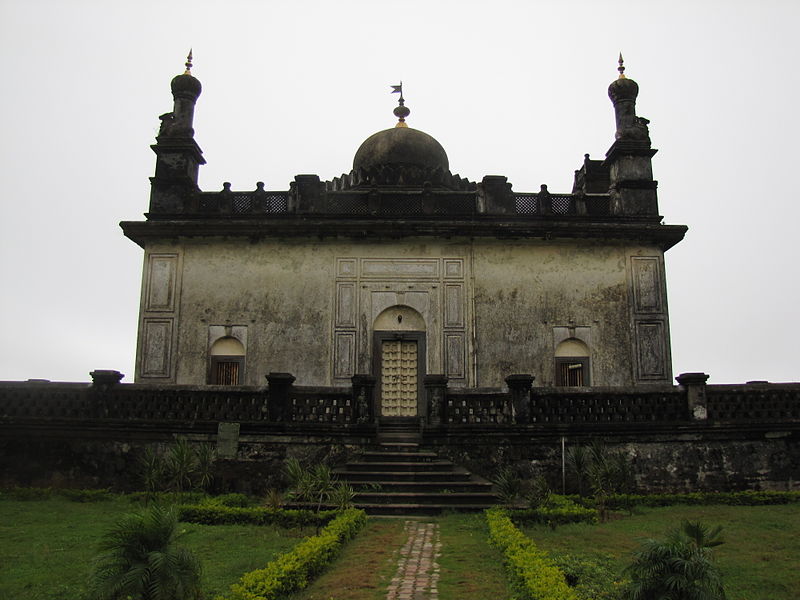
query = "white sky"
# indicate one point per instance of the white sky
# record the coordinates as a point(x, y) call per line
point(510, 88)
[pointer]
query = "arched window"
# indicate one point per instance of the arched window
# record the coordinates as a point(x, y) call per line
point(226, 362)
point(572, 363)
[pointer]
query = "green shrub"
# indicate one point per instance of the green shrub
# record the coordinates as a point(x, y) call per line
point(76, 495)
point(508, 486)
point(558, 510)
point(25, 493)
point(681, 567)
point(294, 570)
point(747, 498)
point(230, 500)
point(140, 560)
point(537, 492)
point(167, 497)
point(533, 575)
point(213, 514)
point(591, 578)
point(87, 495)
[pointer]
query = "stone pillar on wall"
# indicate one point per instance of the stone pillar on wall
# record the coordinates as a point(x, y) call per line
point(102, 379)
point(363, 398)
point(695, 386)
point(279, 406)
point(519, 385)
point(436, 399)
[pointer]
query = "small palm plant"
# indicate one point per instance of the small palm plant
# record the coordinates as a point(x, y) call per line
point(139, 561)
point(206, 457)
point(342, 495)
point(152, 470)
point(181, 465)
point(323, 482)
point(577, 462)
point(301, 483)
point(507, 485)
point(678, 568)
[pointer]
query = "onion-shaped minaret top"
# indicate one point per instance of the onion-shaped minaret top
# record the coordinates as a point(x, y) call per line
point(186, 85)
point(623, 88)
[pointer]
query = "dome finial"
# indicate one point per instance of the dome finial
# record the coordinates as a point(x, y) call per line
point(188, 70)
point(401, 112)
point(621, 67)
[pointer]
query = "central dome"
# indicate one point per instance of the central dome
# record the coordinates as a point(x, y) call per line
point(401, 146)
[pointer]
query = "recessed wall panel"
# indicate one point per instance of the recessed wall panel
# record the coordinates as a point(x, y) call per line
point(651, 347)
point(453, 305)
point(647, 284)
point(344, 354)
point(346, 305)
point(162, 270)
point(157, 347)
point(455, 353)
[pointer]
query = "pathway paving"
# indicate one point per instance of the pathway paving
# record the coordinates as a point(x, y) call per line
point(417, 576)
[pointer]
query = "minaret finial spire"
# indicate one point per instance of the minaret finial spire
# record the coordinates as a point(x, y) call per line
point(401, 111)
point(621, 67)
point(188, 63)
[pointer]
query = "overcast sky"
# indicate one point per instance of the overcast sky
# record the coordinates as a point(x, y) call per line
point(510, 88)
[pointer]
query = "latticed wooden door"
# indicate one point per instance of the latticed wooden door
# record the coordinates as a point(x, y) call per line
point(399, 378)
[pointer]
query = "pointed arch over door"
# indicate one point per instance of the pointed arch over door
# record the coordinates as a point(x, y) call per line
point(399, 361)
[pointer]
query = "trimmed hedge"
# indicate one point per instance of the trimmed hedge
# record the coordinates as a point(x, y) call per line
point(533, 575)
point(294, 570)
point(76, 495)
point(558, 510)
point(217, 514)
point(748, 498)
point(167, 497)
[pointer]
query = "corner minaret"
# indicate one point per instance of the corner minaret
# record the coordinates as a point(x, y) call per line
point(633, 190)
point(178, 155)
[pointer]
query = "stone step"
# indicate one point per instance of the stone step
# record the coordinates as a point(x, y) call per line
point(399, 437)
point(420, 510)
point(392, 466)
point(398, 447)
point(389, 456)
point(434, 476)
point(438, 498)
point(362, 485)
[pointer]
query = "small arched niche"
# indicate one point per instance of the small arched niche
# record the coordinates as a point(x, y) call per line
point(227, 346)
point(572, 363)
point(399, 318)
point(226, 362)
point(572, 347)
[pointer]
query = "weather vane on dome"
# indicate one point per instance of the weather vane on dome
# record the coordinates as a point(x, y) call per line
point(621, 67)
point(401, 112)
point(188, 70)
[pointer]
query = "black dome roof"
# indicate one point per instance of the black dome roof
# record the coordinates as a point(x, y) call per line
point(401, 146)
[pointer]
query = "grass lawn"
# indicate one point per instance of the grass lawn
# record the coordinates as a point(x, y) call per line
point(759, 558)
point(469, 568)
point(363, 569)
point(46, 547)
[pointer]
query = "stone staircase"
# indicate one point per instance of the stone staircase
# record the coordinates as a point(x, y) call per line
point(398, 477)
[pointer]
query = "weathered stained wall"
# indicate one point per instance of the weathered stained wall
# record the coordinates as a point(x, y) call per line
point(490, 307)
point(664, 459)
point(531, 295)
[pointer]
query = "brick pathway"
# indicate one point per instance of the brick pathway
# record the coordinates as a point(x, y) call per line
point(417, 576)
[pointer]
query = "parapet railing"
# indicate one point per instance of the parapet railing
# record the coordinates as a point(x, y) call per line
point(442, 406)
point(389, 203)
point(754, 402)
point(566, 406)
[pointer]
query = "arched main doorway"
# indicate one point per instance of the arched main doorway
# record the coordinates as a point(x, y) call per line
point(399, 361)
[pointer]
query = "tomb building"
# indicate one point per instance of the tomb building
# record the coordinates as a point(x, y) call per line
point(402, 270)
